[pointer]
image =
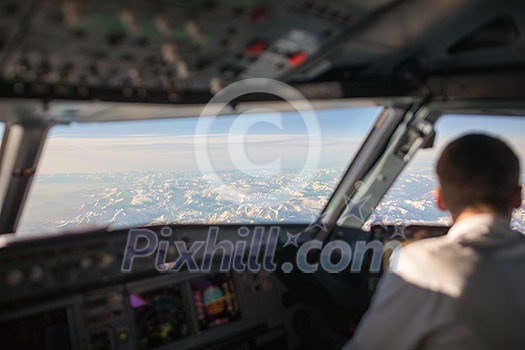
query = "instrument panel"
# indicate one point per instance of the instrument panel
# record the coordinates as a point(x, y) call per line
point(67, 48)
point(70, 292)
point(189, 312)
point(75, 261)
point(82, 300)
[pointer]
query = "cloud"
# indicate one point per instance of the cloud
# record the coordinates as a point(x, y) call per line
point(140, 152)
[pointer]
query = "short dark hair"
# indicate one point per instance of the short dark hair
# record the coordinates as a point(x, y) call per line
point(478, 170)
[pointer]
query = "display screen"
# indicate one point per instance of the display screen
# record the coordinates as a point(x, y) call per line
point(216, 300)
point(48, 330)
point(160, 316)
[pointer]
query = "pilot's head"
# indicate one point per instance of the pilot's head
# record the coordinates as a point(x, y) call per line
point(478, 174)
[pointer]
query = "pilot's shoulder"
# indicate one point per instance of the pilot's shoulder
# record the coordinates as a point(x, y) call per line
point(429, 248)
point(432, 264)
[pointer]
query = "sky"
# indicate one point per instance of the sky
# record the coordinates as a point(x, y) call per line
point(247, 141)
point(449, 127)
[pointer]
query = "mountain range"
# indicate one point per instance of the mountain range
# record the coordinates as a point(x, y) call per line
point(60, 202)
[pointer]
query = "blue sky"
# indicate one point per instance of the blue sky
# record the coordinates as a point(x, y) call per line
point(169, 144)
point(450, 127)
point(335, 123)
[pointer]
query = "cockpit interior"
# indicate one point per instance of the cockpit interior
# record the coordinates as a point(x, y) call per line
point(182, 174)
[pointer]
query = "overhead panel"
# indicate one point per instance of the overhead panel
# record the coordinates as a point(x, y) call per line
point(65, 48)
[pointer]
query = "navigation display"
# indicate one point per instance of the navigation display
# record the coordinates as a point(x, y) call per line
point(216, 300)
point(160, 316)
point(46, 330)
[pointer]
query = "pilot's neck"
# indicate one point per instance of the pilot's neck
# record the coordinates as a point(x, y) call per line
point(470, 212)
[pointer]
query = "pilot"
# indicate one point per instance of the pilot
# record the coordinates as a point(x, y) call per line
point(465, 290)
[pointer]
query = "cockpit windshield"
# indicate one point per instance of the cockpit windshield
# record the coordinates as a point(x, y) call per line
point(250, 168)
point(410, 200)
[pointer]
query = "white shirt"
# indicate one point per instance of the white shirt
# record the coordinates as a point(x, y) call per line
point(465, 290)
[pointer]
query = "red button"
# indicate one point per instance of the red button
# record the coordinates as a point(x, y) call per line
point(258, 14)
point(256, 48)
point(298, 58)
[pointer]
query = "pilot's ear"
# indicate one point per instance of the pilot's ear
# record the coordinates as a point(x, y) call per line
point(438, 193)
point(516, 200)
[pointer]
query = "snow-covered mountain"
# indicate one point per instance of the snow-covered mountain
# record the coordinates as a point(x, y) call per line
point(411, 200)
point(130, 199)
